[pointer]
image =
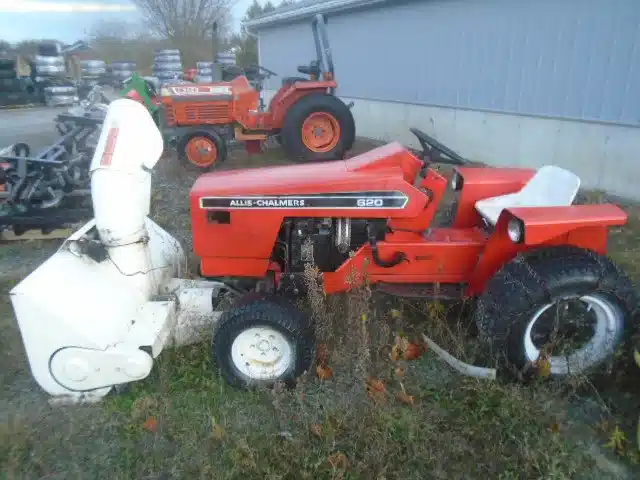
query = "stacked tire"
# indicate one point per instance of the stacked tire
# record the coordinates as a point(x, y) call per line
point(50, 73)
point(8, 68)
point(205, 72)
point(167, 66)
point(47, 67)
point(226, 58)
point(93, 70)
point(120, 71)
point(56, 95)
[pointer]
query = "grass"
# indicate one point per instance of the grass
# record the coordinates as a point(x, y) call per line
point(373, 418)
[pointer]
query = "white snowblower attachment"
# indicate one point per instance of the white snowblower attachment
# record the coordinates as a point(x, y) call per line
point(96, 313)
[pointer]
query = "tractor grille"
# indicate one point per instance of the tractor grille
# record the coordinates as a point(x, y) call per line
point(212, 112)
point(170, 116)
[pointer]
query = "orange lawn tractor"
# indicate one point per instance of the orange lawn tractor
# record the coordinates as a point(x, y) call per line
point(305, 116)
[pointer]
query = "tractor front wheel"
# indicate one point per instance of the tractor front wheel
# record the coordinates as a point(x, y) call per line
point(558, 312)
point(261, 343)
point(202, 149)
point(318, 127)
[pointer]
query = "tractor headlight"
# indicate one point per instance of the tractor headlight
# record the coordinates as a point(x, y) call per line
point(456, 182)
point(515, 230)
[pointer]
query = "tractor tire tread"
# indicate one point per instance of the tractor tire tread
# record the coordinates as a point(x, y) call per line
point(535, 278)
point(291, 137)
point(284, 317)
point(194, 132)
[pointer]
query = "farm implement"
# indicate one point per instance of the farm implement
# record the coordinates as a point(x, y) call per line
point(48, 191)
point(516, 245)
point(201, 120)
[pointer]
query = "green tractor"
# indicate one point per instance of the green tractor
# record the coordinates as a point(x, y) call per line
point(144, 91)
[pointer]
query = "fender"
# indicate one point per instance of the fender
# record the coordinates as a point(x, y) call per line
point(290, 95)
point(584, 226)
point(542, 225)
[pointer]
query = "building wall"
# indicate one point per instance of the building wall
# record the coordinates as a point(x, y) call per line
point(502, 81)
point(563, 58)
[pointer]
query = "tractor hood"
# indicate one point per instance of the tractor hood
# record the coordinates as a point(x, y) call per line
point(389, 167)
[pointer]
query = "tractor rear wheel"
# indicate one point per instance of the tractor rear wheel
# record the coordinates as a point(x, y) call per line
point(522, 315)
point(202, 149)
point(318, 127)
point(262, 342)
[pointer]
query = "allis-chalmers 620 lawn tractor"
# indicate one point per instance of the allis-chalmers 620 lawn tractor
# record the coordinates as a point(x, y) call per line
point(97, 313)
point(306, 117)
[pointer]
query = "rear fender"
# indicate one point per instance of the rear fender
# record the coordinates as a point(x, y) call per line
point(288, 95)
point(583, 226)
point(484, 182)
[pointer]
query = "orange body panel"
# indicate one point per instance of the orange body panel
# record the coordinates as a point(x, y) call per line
point(238, 238)
point(483, 182)
point(234, 102)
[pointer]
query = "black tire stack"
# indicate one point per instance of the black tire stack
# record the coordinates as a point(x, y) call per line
point(10, 91)
point(8, 69)
point(119, 71)
point(93, 71)
point(51, 74)
point(226, 58)
point(167, 66)
point(56, 95)
point(205, 72)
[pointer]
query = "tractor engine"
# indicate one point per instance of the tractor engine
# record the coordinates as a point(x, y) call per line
point(323, 242)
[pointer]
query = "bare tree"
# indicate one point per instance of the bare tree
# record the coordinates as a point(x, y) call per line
point(175, 19)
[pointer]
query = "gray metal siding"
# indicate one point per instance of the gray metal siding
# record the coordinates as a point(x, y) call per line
point(557, 58)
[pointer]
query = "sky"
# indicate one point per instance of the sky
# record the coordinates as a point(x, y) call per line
point(69, 20)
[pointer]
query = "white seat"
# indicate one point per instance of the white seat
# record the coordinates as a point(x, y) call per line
point(551, 186)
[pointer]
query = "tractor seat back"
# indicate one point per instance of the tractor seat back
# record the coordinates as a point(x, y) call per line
point(312, 69)
point(551, 186)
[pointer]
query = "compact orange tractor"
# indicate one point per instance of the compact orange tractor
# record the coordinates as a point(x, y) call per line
point(305, 116)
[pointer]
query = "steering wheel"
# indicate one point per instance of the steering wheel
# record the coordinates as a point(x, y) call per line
point(433, 150)
point(151, 88)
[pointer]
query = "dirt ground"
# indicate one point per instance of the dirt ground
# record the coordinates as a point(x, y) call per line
point(426, 422)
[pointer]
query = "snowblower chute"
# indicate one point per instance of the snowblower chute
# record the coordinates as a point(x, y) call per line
point(95, 314)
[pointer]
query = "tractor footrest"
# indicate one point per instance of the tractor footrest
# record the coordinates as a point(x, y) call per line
point(431, 291)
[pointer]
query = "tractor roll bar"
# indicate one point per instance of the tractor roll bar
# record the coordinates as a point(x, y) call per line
point(323, 49)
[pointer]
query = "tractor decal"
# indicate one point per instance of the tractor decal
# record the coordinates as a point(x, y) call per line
point(200, 90)
point(349, 200)
point(110, 146)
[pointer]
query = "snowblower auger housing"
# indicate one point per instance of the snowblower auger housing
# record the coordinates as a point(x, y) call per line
point(517, 244)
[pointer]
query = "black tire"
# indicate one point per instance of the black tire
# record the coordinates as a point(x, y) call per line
point(292, 324)
point(291, 132)
point(548, 275)
point(220, 144)
point(7, 64)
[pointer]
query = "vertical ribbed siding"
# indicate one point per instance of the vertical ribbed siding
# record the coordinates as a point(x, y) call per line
point(557, 58)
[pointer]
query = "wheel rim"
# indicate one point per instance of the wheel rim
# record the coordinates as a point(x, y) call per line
point(201, 151)
point(262, 353)
point(604, 320)
point(321, 132)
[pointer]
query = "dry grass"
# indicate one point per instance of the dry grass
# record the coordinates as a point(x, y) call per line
point(374, 418)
